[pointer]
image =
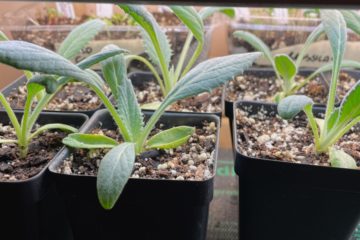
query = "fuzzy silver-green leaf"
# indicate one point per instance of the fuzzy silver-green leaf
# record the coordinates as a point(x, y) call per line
point(156, 43)
point(114, 172)
point(191, 19)
point(209, 75)
point(290, 106)
point(115, 74)
point(79, 37)
point(28, 56)
point(350, 105)
point(256, 43)
point(352, 19)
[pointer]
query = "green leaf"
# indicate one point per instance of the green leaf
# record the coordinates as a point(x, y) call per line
point(170, 138)
point(151, 106)
point(335, 29)
point(352, 19)
point(47, 127)
point(155, 40)
point(114, 172)
point(350, 105)
point(191, 19)
point(115, 74)
point(92, 60)
point(79, 37)
point(89, 141)
point(333, 119)
point(208, 11)
point(315, 34)
point(210, 74)
point(327, 67)
point(48, 81)
point(290, 106)
point(256, 43)
point(285, 66)
point(339, 158)
point(28, 56)
point(100, 56)
point(3, 36)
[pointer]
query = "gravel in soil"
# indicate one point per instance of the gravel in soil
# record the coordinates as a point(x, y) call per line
point(264, 135)
point(41, 150)
point(73, 97)
point(262, 88)
point(150, 92)
point(191, 161)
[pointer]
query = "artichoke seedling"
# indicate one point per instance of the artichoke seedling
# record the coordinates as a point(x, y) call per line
point(157, 45)
point(286, 69)
point(116, 166)
point(338, 120)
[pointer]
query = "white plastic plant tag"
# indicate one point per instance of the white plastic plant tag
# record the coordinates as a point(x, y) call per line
point(104, 10)
point(66, 9)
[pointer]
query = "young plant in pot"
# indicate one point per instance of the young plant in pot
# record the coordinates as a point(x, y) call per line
point(287, 187)
point(285, 76)
point(171, 161)
point(159, 50)
point(73, 96)
point(29, 141)
point(142, 198)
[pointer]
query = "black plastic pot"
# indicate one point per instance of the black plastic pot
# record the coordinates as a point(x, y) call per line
point(21, 202)
point(22, 80)
point(269, 72)
point(139, 78)
point(281, 200)
point(147, 209)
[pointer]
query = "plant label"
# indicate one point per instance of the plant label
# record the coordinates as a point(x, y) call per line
point(318, 54)
point(104, 10)
point(66, 9)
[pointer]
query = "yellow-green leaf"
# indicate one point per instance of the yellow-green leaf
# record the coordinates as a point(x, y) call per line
point(170, 138)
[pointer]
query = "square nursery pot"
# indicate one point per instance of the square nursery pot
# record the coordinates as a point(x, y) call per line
point(281, 200)
point(22, 202)
point(325, 78)
point(147, 208)
point(138, 80)
point(21, 81)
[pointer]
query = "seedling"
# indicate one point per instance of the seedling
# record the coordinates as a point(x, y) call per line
point(117, 165)
point(23, 56)
point(157, 45)
point(285, 68)
point(338, 120)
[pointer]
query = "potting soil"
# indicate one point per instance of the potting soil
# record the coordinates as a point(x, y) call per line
point(223, 216)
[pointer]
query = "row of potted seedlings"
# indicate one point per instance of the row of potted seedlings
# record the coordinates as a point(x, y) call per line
point(139, 164)
point(154, 166)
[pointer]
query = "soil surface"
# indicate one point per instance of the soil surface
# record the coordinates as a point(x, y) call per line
point(264, 88)
point(150, 92)
point(191, 161)
point(73, 97)
point(264, 135)
point(41, 150)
